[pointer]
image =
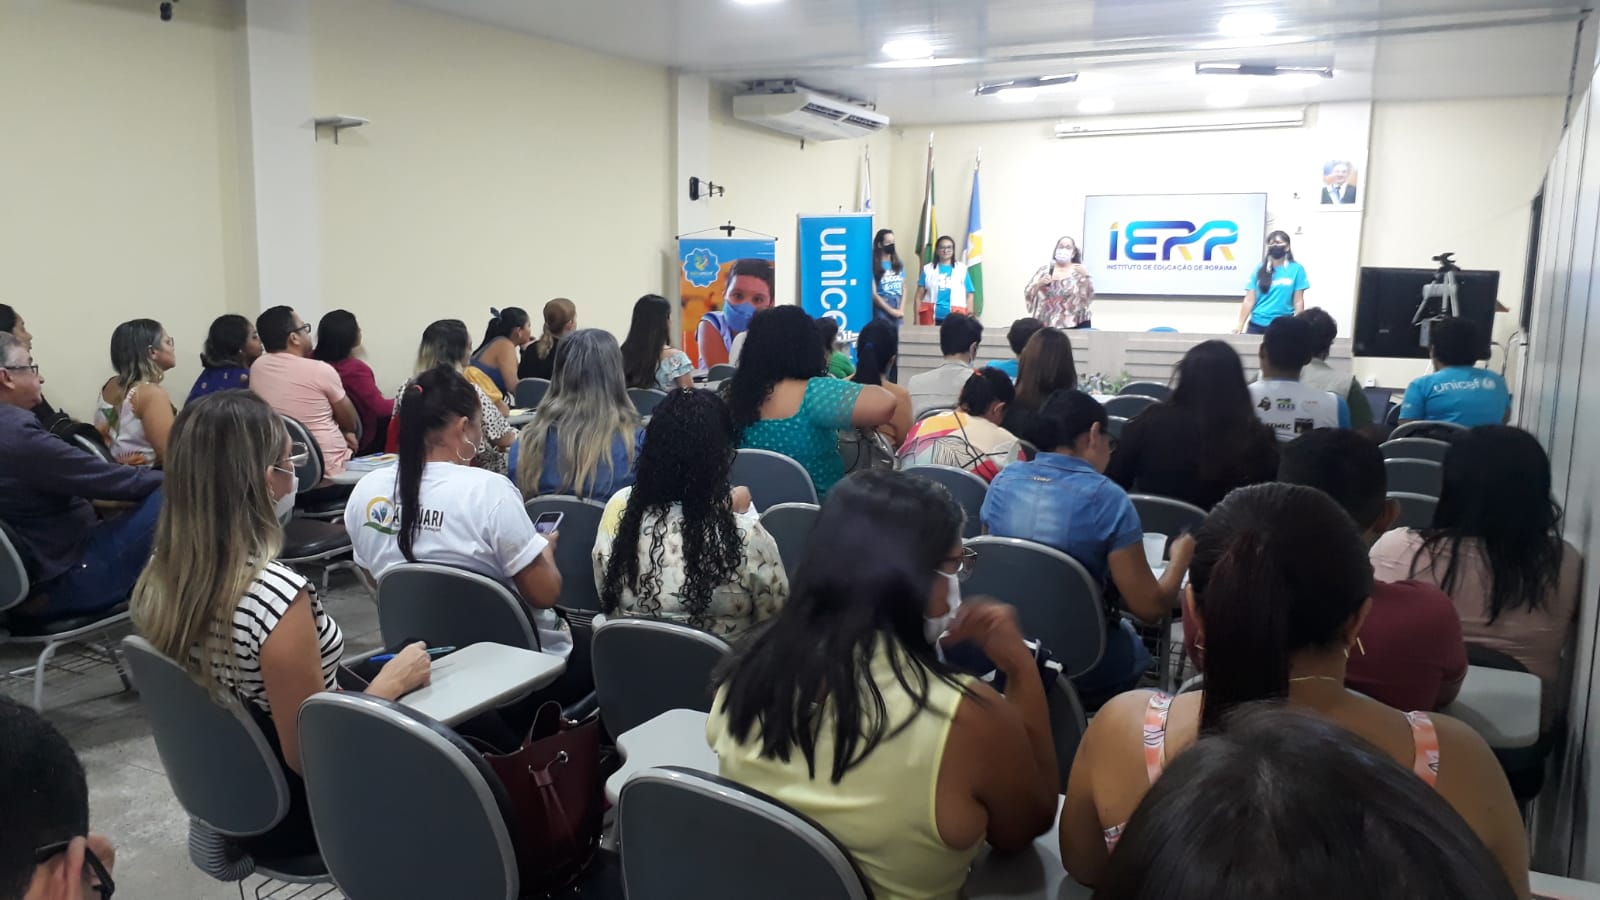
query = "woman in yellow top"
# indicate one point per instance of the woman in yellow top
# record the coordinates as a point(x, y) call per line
point(845, 710)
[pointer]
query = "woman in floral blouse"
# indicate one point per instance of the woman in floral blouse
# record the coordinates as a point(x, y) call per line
point(1059, 293)
point(681, 544)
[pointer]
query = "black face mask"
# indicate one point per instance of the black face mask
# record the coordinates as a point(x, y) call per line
point(889, 249)
point(1277, 252)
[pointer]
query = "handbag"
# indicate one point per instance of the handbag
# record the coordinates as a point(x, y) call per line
point(557, 795)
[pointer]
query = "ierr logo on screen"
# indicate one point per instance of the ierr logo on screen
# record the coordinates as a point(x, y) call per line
point(1139, 240)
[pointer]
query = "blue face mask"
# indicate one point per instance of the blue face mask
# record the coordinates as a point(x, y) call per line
point(739, 315)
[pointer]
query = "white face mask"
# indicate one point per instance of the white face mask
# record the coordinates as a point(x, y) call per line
point(933, 628)
point(1063, 256)
point(283, 507)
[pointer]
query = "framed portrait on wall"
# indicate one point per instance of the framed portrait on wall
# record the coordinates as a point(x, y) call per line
point(1341, 188)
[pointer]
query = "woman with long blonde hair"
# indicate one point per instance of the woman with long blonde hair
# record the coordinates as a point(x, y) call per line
point(539, 357)
point(585, 438)
point(215, 600)
point(134, 411)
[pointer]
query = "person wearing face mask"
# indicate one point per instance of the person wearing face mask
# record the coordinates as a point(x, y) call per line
point(215, 561)
point(1277, 289)
point(720, 335)
point(945, 286)
point(888, 280)
point(1059, 293)
point(909, 764)
point(1029, 500)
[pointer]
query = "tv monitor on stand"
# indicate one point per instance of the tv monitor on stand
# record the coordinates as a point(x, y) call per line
point(1387, 301)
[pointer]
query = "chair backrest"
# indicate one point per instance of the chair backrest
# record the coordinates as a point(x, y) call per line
point(15, 584)
point(1164, 515)
point(1057, 602)
point(1393, 418)
point(1030, 452)
point(529, 392)
point(450, 607)
point(968, 489)
point(1379, 401)
point(790, 525)
point(580, 523)
point(1415, 476)
point(1114, 426)
point(930, 413)
point(772, 478)
point(1490, 658)
point(645, 400)
point(81, 439)
point(1415, 448)
point(1128, 406)
point(644, 667)
point(1146, 389)
point(762, 848)
point(1437, 430)
point(218, 761)
point(309, 475)
point(1067, 723)
point(402, 806)
point(721, 372)
point(1416, 510)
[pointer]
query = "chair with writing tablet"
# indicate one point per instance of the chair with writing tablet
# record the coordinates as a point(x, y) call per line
point(1423, 428)
point(1146, 389)
point(968, 489)
point(1056, 600)
point(644, 667)
point(529, 392)
point(721, 372)
point(790, 525)
point(1415, 448)
point(1128, 406)
point(1415, 476)
point(1170, 517)
point(645, 400)
point(450, 607)
point(772, 478)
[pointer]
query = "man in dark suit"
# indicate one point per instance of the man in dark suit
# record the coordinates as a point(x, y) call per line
point(1340, 190)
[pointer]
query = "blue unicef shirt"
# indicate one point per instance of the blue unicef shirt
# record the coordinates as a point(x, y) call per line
point(1465, 395)
point(1278, 301)
point(891, 287)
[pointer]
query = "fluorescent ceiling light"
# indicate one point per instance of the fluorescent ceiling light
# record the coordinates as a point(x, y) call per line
point(1227, 98)
point(1262, 69)
point(932, 62)
point(1247, 25)
point(1096, 106)
point(908, 48)
point(989, 88)
point(756, 2)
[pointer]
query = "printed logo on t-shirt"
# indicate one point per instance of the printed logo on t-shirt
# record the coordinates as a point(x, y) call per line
point(383, 516)
point(1470, 384)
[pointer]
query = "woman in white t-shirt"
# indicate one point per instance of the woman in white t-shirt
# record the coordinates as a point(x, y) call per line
point(435, 507)
point(214, 600)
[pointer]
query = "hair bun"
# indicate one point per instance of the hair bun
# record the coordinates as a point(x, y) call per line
point(494, 313)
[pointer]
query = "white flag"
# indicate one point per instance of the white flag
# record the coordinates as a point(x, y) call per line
point(865, 203)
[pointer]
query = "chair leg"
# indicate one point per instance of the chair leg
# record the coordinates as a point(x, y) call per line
point(116, 660)
point(38, 674)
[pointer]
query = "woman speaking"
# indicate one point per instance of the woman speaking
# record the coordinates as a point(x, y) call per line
point(1059, 293)
point(1277, 289)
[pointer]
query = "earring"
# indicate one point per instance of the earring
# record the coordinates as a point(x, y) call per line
point(1360, 646)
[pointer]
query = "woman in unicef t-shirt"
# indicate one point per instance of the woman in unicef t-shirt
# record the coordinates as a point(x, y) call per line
point(1277, 289)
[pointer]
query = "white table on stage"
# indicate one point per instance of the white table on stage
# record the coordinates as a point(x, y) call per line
point(677, 737)
point(1032, 874)
point(1500, 705)
point(480, 677)
point(1554, 887)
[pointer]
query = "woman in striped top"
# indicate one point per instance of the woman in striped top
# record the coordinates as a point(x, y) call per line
point(213, 598)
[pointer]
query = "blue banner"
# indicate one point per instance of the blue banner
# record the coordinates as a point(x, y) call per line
point(836, 271)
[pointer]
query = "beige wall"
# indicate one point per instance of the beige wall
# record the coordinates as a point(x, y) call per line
point(121, 169)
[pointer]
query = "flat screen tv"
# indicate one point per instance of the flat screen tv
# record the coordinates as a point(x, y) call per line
point(1387, 300)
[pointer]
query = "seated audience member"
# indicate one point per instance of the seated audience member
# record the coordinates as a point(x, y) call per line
point(835, 360)
point(338, 339)
point(1202, 442)
point(539, 358)
point(48, 852)
point(1456, 390)
point(304, 389)
point(585, 439)
point(1061, 499)
point(1321, 376)
point(781, 400)
point(1045, 366)
point(500, 355)
point(77, 564)
point(1289, 407)
point(11, 323)
point(1495, 548)
point(231, 346)
point(681, 544)
point(1280, 803)
point(1277, 594)
point(648, 358)
point(216, 601)
point(970, 437)
point(474, 518)
point(1409, 652)
point(1021, 330)
point(877, 351)
point(845, 709)
point(134, 412)
point(445, 343)
point(938, 388)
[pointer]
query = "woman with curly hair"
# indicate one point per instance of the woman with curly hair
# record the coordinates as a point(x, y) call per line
point(680, 544)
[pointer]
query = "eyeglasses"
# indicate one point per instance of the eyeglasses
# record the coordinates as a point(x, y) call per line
point(103, 885)
point(965, 562)
point(34, 369)
point(299, 454)
point(303, 329)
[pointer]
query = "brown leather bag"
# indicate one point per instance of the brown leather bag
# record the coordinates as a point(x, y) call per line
point(557, 791)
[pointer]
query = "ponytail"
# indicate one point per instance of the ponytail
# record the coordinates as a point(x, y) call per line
point(558, 314)
point(1247, 637)
point(427, 404)
point(876, 346)
point(501, 323)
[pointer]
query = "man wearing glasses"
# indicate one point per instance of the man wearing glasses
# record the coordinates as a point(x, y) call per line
point(305, 389)
point(47, 852)
point(78, 565)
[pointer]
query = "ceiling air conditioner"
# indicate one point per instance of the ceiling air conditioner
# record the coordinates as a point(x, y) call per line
point(1235, 120)
point(808, 115)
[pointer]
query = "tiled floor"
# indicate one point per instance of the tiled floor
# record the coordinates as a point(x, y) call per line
point(129, 798)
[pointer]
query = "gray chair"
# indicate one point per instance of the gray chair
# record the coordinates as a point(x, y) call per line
point(529, 392)
point(1164, 515)
point(644, 667)
point(402, 806)
point(314, 499)
point(1415, 476)
point(761, 848)
point(1114, 426)
point(1067, 724)
point(1128, 406)
point(1423, 428)
point(450, 607)
point(790, 525)
point(574, 550)
point(645, 400)
point(1415, 448)
point(968, 489)
point(222, 769)
point(721, 372)
point(1057, 602)
point(772, 478)
point(1416, 510)
point(309, 537)
point(83, 441)
point(1146, 389)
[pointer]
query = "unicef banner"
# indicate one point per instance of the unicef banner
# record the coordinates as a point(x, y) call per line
point(1174, 245)
point(724, 282)
point(836, 270)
